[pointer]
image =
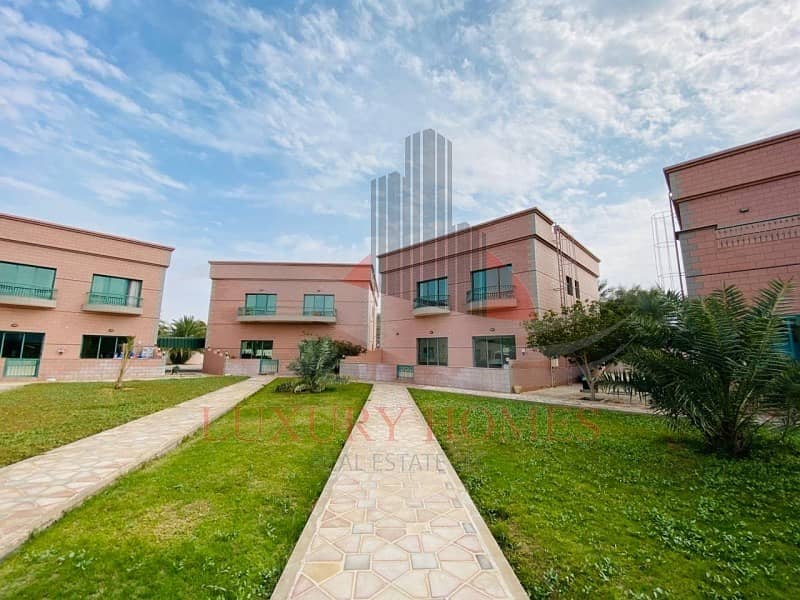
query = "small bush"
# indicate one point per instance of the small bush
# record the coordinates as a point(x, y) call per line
point(285, 387)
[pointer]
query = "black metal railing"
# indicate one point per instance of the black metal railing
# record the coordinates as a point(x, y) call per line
point(495, 292)
point(437, 300)
point(26, 291)
point(319, 312)
point(252, 311)
point(113, 300)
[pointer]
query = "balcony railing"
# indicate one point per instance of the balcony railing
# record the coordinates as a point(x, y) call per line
point(255, 311)
point(250, 314)
point(426, 301)
point(94, 299)
point(26, 291)
point(495, 292)
point(319, 312)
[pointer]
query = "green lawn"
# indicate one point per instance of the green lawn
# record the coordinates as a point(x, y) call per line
point(619, 506)
point(42, 416)
point(216, 518)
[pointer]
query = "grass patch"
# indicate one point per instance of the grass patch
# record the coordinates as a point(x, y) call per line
point(42, 416)
point(610, 505)
point(216, 518)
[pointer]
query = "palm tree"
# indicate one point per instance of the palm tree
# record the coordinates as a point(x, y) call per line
point(186, 326)
point(718, 363)
point(315, 364)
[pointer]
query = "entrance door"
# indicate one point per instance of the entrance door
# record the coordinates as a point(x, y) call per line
point(21, 352)
point(268, 366)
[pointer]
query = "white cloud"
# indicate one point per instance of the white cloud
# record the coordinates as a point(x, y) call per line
point(99, 4)
point(69, 7)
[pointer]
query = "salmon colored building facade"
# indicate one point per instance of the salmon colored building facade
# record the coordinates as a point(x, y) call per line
point(452, 307)
point(69, 300)
point(739, 218)
point(260, 311)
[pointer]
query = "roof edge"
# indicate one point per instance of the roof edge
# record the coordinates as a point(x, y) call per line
point(514, 215)
point(108, 236)
point(767, 141)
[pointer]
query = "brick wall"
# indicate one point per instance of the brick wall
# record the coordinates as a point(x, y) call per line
point(100, 370)
point(740, 216)
point(471, 378)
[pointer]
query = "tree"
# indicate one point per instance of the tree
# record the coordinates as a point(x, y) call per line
point(345, 348)
point(315, 364)
point(186, 326)
point(590, 336)
point(127, 348)
point(717, 362)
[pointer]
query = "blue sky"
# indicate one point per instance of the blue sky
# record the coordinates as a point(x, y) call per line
point(251, 131)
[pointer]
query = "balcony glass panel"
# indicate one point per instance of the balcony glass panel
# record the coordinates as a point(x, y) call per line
point(260, 304)
point(319, 305)
point(26, 281)
point(115, 291)
point(490, 284)
point(432, 292)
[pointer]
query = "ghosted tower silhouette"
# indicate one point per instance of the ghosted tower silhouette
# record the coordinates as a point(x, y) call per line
point(417, 206)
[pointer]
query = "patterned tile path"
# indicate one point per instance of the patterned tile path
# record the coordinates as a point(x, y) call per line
point(38, 490)
point(394, 521)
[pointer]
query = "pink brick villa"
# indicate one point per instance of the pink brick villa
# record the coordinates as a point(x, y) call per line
point(70, 298)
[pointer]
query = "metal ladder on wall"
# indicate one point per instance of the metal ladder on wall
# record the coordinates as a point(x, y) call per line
point(565, 252)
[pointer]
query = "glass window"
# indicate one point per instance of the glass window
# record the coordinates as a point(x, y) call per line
point(256, 349)
point(577, 289)
point(12, 344)
point(21, 344)
point(569, 286)
point(318, 304)
point(260, 304)
point(115, 290)
point(432, 292)
point(102, 346)
point(492, 351)
point(489, 283)
point(32, 345)
point(18, 280)
point(432, 351)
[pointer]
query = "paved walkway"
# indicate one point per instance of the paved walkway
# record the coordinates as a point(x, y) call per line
point(38, 490)
point(569, 396)
point(394, 521)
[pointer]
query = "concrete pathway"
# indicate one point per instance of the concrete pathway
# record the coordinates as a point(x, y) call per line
point(394, 521)
point(38, 490)
point(568, 396)
point(5, 386)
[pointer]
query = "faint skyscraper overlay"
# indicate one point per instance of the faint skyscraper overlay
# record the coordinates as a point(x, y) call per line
point(418, 205)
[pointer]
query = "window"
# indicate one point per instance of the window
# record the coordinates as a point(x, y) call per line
point(492, 351)
point(432, 292)
point(432, 351)
point(256, 349)
point(569, 286)
point(115, 290)
point(577, 289)
point(26, 280)
point(260, 304)
point(488, 284)
point(20, 344)
point(102, 346)
point(318, 304)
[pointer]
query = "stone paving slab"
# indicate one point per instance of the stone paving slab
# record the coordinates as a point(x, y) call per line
point(394, 521)
point(38, 490)
point(559, 396)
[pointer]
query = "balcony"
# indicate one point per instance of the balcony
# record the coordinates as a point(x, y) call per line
point(113, 304)
point(491, 298)
point(249, 314)
point(426, 306)
point(27, 296)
